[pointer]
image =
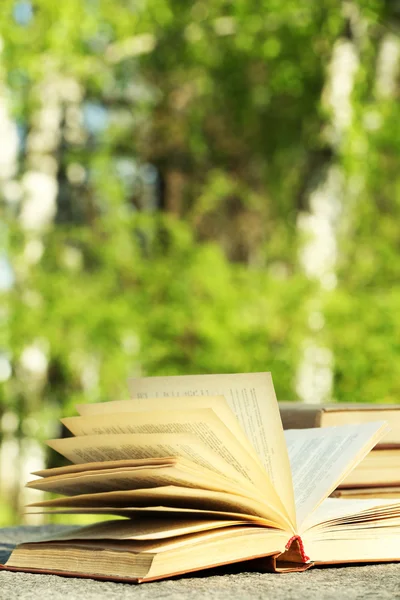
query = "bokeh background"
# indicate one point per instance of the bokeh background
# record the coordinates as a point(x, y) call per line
point(194, 187)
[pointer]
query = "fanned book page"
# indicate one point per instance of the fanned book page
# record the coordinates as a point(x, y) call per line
point(319, 458)
point(251, 397)
point(204, 424)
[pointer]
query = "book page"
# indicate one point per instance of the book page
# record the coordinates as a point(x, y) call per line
point(106, 464)
point(217, 403)
point(122, 446)
point(117, 447)
point(143, 529)
point(179, 497)
point(337, 531)
point(159, 512)
point(204, 424)
point(343, 511)
point(109, 480)
point(163, 544)
point(251, 397)
point(367, 545)
point(321, 458)
point(109, 556)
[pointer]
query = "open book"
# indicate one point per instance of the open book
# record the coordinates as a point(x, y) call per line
point(201, 467)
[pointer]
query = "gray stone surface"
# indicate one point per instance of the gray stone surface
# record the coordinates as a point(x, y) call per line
point(367, 582)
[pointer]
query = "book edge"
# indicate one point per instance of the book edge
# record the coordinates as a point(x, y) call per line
point(258, 560)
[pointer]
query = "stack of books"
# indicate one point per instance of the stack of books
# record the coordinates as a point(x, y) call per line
point(378, 474)
point(202, 473)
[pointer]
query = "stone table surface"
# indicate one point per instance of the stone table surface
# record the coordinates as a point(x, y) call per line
point(366, 582)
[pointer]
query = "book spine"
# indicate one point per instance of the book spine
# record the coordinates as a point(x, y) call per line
point(297, 538)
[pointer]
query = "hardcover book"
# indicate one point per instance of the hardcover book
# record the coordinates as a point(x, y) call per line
point(299, 415)
point(200, 473)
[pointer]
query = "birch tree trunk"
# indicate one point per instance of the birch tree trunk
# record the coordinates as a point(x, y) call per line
point(319, 225)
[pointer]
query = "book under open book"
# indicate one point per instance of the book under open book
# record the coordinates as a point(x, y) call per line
point(206, 476)
point(378, 474)
point(299, 415)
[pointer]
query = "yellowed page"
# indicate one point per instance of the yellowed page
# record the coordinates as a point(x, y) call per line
point(170, 496)
point(321, 459)
point(144, 529)
point(336, 531)
point(204, 424)
point(107, 464)
point(123, 446)
point(335, 510)
point(116, 466)
point(217, 403)
point(114, 447)
point(160, 512)
point(251, 397)
point(165, 544)
point(372, 544)
point(133, 478)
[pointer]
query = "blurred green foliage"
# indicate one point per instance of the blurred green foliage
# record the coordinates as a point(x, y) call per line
point(363, 317)
point(158, 303)
point(187, 136)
